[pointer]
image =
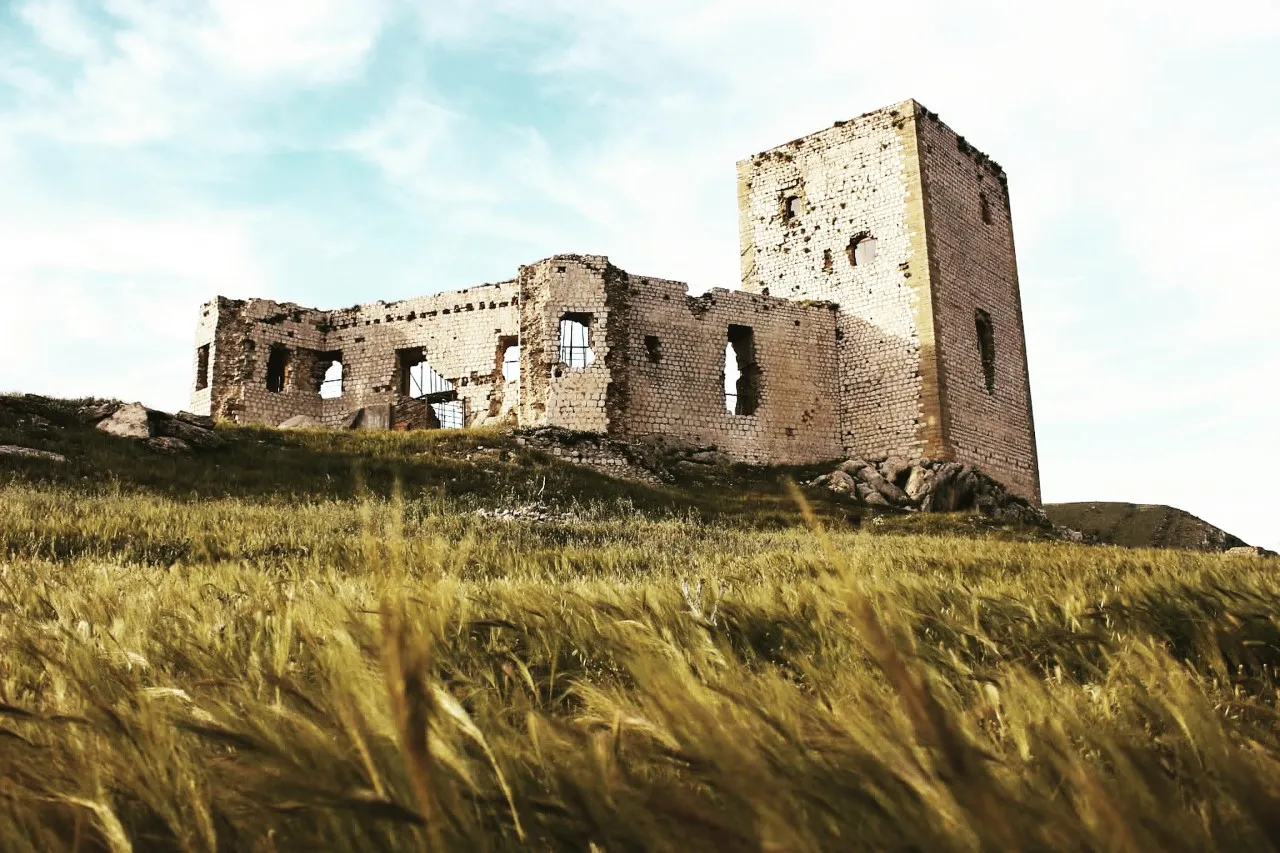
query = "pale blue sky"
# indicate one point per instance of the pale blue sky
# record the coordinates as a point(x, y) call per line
point(154, 154)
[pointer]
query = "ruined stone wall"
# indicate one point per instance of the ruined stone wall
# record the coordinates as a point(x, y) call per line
point(880, 311)
point(461, 336)
point(675, 372)
point(913, 378)
point(854, 182)
point(973, 268)
point(202, 385)
point(552, 393)
point(240, 334)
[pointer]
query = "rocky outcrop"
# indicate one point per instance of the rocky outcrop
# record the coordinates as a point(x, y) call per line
point(1143, 526)
point(30, 453)
point(176, 433)
point(651, 459)
point(129, 421)
point(928, 485)
point(1249, 551)
point(606, 455)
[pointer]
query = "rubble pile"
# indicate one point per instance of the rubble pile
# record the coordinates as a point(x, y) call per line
point(928, 485)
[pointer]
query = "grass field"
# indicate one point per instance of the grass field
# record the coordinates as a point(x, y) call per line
point(311, 641)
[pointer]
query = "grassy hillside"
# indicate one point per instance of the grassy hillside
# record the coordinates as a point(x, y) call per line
point(312, 641)
point(1141, 525)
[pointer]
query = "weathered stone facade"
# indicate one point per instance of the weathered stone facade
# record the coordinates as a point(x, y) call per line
point(879, 315)
point(907, 228)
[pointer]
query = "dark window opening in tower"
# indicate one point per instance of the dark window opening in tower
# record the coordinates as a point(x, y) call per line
point(984, 205)
point(861, 250)
point(792, 207)
point(653, 349)
point(279, 367)
point(575, 340)
point(202, 368)
point(986, 347)
point(741, 373)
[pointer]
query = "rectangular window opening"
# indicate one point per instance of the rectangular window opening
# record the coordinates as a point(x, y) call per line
point(418, 379)
point(509, 357)
point(653, 349)
point(202, 368)
point(279, 368)
point(741, 372)
point(575, 340)
point(452, 414)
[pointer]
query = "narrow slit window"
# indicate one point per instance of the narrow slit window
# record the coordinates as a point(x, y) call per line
point(741, 372)
point(202, 368)
point(984, 205)
point(575, 340)
point(279, 367)
point(986, 347)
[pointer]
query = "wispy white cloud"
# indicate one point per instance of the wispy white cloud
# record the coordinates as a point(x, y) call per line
point(404, 140)
point(296, 41)
point(60, 26)
point(102, 304)
point(144, 71)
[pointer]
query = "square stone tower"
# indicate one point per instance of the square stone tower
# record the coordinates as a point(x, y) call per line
point(905, 226)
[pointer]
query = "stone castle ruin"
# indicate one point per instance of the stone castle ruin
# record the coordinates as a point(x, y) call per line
point(879, 315)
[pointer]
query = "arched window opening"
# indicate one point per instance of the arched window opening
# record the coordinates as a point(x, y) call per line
point(861, 250)
point(331, 383)
point(511, 363)
point(575, 340)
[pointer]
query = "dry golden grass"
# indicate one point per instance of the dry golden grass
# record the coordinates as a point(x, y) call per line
point(391, 672)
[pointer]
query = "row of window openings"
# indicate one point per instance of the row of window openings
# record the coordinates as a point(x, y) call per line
point(420, 379)
point(279, 368)
point(741, 373)
point(860, 250)
point(792, 207)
